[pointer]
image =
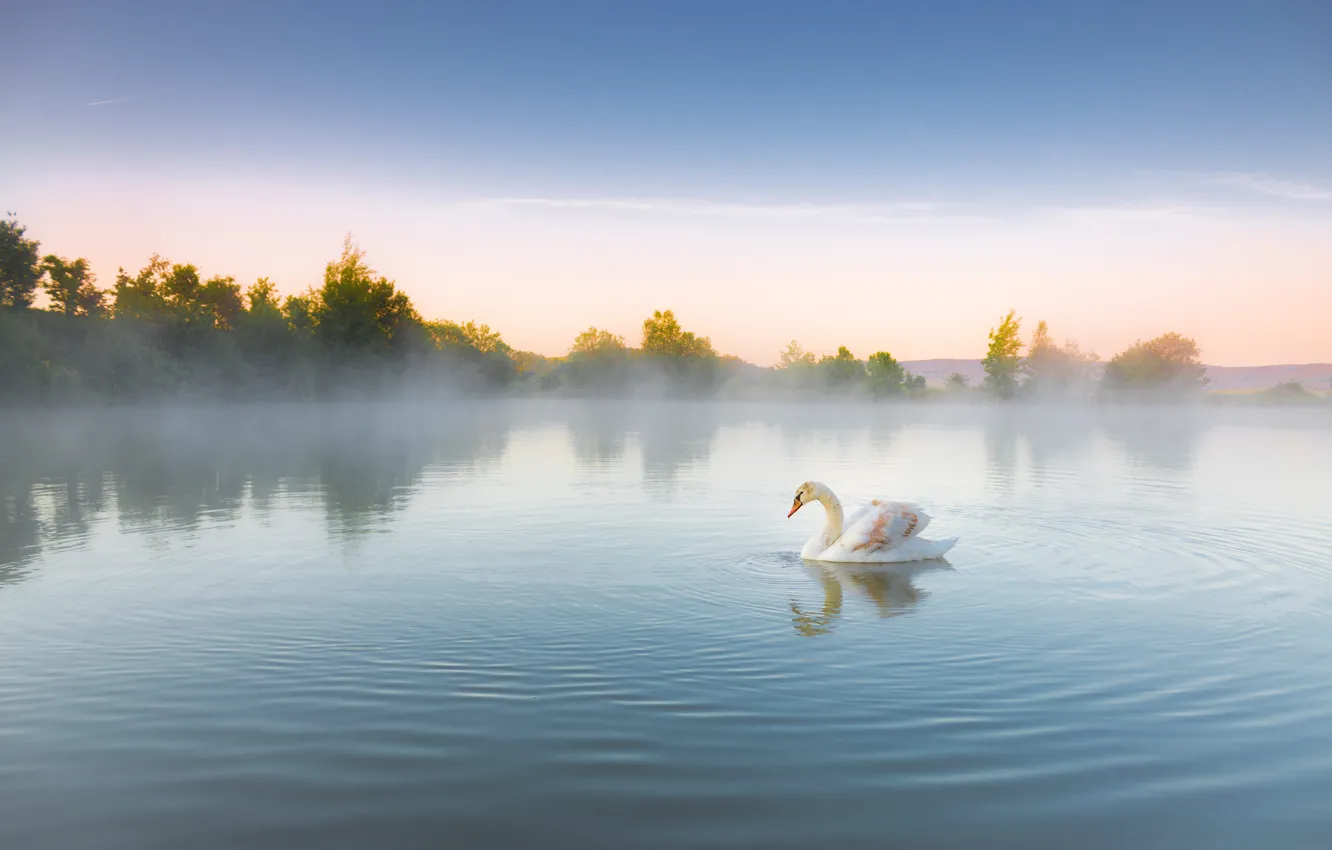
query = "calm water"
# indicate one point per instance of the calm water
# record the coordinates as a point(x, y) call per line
point(531, 625)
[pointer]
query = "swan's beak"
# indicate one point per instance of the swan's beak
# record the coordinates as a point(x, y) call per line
point(797, 506)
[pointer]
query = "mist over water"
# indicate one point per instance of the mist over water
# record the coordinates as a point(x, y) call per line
point(544, 623)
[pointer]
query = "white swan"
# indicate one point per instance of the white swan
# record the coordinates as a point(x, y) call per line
point(879, 533)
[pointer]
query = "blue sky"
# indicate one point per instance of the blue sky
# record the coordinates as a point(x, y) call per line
point(724, 109)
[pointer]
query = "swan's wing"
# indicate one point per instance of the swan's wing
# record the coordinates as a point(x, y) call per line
point(883, 525)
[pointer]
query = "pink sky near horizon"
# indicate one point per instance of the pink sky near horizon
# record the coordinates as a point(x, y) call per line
point(1252, 286)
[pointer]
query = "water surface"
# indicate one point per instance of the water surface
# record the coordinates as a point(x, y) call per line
point(542, 625)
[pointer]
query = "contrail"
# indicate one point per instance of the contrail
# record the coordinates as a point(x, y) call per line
point(105, 102)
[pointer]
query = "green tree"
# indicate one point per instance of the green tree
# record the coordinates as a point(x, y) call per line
point(595, 341)
point(180, 289)
point(20, 269)
point(265, 336)
point(1170, 362)
point(299, 311)
point(886, 375)
point(222, 302)
point(956, 382)
point(142, 297)
point(358, 313)
point(794, 355)
point(1003, 361)
point(71, 287)
point(841, 369)
point(687, 360)
point(663, 337)
point(598, 361)
point(480, 337)
point(914, 383)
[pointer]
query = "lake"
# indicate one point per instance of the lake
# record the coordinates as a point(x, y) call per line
point(539, 624)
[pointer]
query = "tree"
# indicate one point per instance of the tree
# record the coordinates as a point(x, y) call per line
point(1003, 361)
point(20, 269)
point(141, 297)
point(299, 312)
point(594, 341)
point(886, 375)
point(794, 355)
point(956, 382)
point(914, 383)
point(222, 302)
point(266, 338)
point(1054, 370)
point(71, 287)
point(1170, 362)
point(663, 337)
point(841, 369)
point(480, 337)
point(357, 313)
point(598, 361)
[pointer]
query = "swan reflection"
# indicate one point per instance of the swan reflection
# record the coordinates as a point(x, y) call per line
point(890, 587)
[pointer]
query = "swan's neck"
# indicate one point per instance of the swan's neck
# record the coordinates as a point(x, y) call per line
point(832, 509)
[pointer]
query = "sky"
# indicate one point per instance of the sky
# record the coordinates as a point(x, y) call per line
point(886, 176)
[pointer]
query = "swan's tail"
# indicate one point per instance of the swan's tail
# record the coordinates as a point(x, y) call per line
point(920, 549)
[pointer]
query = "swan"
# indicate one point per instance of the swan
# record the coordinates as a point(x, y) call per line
point(879, 533)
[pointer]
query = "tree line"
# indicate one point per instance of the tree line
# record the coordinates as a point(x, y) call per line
point(167, 332)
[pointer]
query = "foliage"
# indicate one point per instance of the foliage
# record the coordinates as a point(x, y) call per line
point(886, 375)
point(595, 341)
point(598, 362)
point(1003, 360)
point(687, 361)
point(20, 269)
point(1168, 363)
point(956, 382)
point(481, 337)
point(1287, 392)
point(168, 332)
point(1054, 370)
point(794, 355)
point(71, 287)
point(357, 314)
point(663, 337)
point(842, 369)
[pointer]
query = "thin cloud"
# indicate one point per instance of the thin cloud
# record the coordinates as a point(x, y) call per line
point(106, 102)
point(1274, 186)
point(701, 207)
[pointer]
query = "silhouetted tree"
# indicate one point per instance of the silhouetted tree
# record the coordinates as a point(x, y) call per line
point(71, 288)
point(221, 302)
point(19, 266)
point(142, 297)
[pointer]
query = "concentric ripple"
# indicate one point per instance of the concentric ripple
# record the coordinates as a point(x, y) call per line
point(525, 626)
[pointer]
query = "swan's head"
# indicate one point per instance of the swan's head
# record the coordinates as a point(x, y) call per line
point(808, 492)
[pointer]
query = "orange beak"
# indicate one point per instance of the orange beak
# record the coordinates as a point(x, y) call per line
point(797, 506)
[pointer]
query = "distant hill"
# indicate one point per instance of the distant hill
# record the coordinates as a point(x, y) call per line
point(1315, 376)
